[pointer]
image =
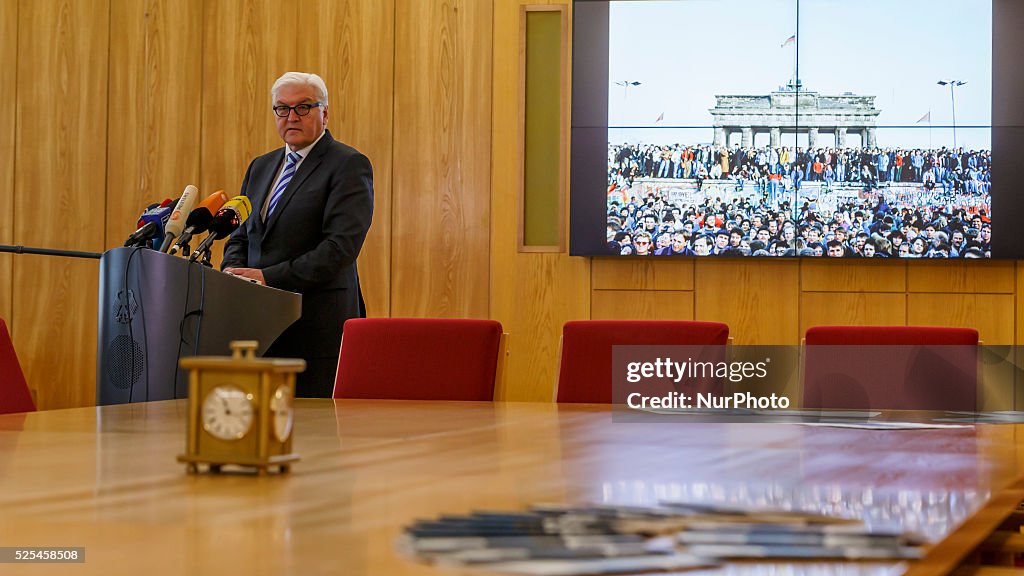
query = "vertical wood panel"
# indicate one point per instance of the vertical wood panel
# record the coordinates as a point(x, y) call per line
point(826, 275)
point(642, 274)
point(532, 294)
point(8, 87)
point(60, 184)
point(155, 89)
point(442, 150)
point(995, 277)
point(641, 305)
point(991, 314)
point(851, 309)
point(758, 300)
point(247, 44)
point(351, 45)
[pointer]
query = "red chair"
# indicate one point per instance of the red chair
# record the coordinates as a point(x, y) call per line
point(14, 394)
point(585, 370)
point(419, 359)
point(891, 367)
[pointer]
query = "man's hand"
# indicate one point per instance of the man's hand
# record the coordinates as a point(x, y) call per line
point(254, 273)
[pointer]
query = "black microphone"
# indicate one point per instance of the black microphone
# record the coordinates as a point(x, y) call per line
point(143, 235)
point(233, 214)
point(199, 219)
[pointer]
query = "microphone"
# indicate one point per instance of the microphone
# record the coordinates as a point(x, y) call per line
point(229, 218)
point(159, 216)
point(143, 235)
point(176, 223)
point(199, 218)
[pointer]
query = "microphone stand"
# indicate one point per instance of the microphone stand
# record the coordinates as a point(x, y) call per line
point(9, 249)
point(205, 260)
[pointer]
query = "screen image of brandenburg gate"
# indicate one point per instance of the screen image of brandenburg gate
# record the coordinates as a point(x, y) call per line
point(789, 110)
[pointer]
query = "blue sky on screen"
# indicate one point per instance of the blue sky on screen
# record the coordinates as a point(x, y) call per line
point(683, 52)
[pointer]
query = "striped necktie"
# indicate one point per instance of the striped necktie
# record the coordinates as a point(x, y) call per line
point(286, 177)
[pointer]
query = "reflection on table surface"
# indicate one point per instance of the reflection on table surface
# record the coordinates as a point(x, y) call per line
point(107, 479)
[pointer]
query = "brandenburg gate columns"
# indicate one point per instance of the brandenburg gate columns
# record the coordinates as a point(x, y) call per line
point(841, 137)
point(720, 136)
point(748, 137)
point(812, 137)
point(776, 137)
point(872, 142)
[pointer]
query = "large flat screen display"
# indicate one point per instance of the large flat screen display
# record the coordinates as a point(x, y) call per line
point(797, 128)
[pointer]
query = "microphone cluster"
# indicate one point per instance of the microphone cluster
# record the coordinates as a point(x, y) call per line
point(169, 226)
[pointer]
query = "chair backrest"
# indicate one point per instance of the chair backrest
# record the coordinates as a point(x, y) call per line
point(418, 359)
point(891, 367)
point(585, 369)
point(14, 394)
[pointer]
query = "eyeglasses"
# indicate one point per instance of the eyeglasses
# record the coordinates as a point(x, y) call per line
point(283, 111)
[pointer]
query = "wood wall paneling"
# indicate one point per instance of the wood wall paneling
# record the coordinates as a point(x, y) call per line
point(60, 184)
point(8, 91)
point(442, 150)
point(759, 300)
point(820, 275)
point(246, 45)
point(155, 104)
point(642, 274)
point(995, 277)
point(852, 309)
point(351, 45)
point(991, 314)
point(531, 294)
point(641, 305)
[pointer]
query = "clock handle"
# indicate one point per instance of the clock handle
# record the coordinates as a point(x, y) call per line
point(243, 349)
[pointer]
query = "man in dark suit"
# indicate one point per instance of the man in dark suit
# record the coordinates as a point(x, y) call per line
point(312, 204)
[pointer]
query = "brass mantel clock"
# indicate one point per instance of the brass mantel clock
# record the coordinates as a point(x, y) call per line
point(240, 410)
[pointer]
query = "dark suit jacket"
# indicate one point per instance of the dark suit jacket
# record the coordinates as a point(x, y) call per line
point(310, 243)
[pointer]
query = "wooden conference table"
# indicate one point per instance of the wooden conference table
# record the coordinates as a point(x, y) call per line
point(107, 479)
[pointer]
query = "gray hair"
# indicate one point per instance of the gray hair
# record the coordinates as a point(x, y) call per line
point(300, 79)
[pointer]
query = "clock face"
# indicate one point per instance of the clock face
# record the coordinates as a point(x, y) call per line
point(227, 413)
point(281, 406)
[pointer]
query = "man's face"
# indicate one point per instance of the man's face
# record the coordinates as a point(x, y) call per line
point(958, 238)
point(734, 239)
point(835, 251)
point(700, 246)
point(643, 245)
point(869, 250)
point(763, 236)
point(664, 240)
point(813, 235)
point(721, 241)
point(986, 234)
point(678, 243)
point(299, 131)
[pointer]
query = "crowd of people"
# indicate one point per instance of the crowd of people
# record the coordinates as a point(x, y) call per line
point(782, 168)
point(941, 214)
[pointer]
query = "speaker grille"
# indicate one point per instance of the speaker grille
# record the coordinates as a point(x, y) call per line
point(123, 372)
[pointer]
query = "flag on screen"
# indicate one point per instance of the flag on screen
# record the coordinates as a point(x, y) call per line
point(926, 118)
point(788, 41)
point(660, 117)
